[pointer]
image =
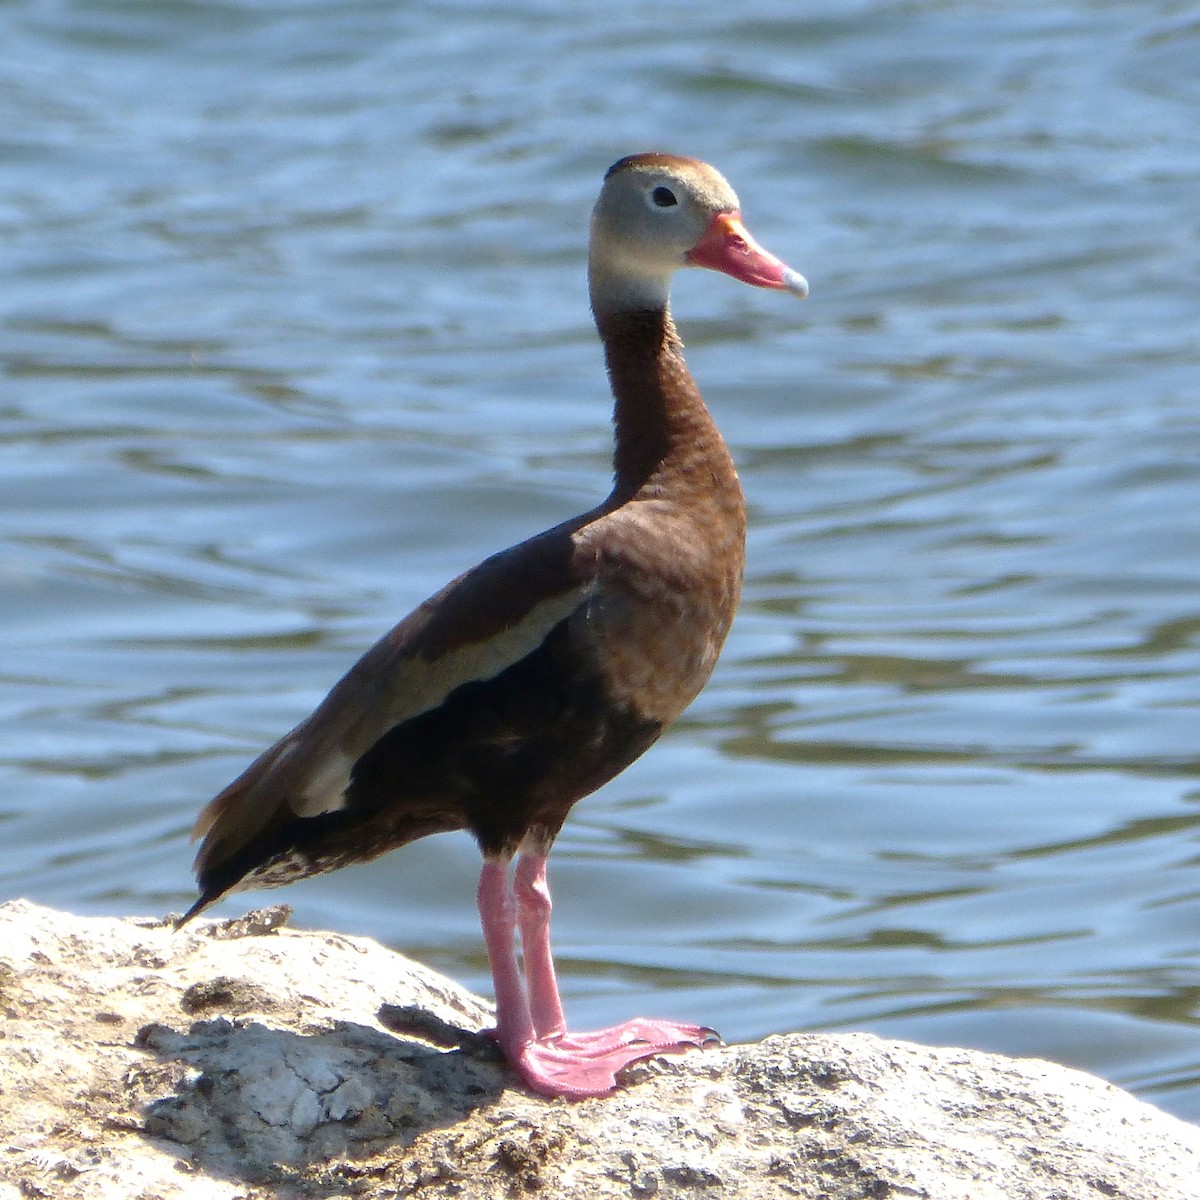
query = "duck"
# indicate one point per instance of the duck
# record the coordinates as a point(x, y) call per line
point(534, 678)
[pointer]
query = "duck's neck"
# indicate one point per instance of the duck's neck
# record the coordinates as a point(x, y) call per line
point(667, 445)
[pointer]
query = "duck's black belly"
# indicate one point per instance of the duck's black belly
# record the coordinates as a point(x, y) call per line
point(502, 756)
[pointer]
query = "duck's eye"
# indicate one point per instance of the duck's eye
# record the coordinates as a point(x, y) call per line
point(663, 197)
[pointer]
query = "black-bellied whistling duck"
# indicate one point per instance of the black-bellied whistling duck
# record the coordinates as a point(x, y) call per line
point(537, 676)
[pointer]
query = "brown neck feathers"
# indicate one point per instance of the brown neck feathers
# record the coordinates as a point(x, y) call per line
point(666, 442)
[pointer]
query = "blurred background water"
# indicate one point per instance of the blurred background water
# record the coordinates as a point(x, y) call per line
point(293, 327)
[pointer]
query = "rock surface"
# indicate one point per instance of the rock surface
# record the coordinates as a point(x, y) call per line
point(243, 1059)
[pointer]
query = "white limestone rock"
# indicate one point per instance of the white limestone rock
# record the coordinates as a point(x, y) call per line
point(243, 1059)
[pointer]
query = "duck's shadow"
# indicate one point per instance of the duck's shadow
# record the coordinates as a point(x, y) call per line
point(248, 1100)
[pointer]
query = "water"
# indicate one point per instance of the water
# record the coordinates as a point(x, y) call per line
point(294, 327)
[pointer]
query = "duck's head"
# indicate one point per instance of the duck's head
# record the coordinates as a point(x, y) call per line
point(657, 213)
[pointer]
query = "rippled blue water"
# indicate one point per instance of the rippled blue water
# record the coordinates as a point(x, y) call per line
point(294, 326)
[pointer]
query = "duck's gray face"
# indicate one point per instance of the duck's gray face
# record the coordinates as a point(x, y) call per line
point(657, 213)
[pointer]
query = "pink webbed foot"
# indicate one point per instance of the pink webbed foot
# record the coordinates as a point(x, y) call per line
point(530, 1026)
point(578, 1065)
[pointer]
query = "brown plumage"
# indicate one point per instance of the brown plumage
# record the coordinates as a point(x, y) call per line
point(535, 677)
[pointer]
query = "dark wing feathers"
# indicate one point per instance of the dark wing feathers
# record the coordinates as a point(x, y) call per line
point(474, 629)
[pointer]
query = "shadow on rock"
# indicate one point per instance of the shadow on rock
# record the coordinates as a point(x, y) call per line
point(249, 1097)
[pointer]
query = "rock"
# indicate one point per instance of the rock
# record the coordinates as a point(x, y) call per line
point(244, 1059)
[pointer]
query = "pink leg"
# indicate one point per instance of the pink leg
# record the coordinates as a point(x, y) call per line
point(497, 912)
point(530, 1028)
point(533, 917)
